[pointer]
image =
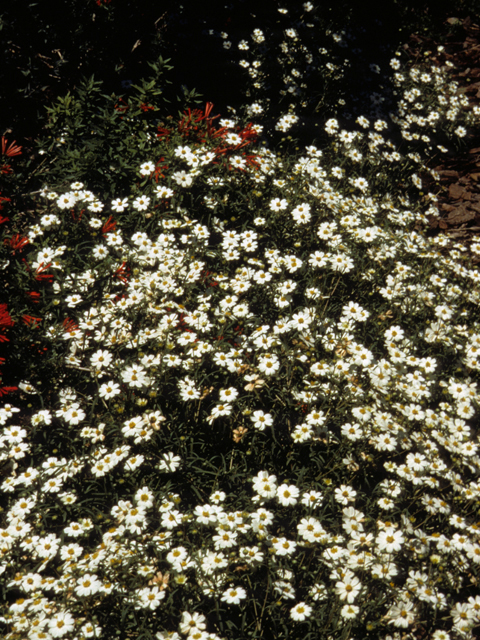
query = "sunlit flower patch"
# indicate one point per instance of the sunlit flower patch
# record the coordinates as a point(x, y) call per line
point(260, 412)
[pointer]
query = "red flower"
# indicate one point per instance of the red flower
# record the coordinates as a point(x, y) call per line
point(12, 150)
point(159, 168)
point(197, 116)
point(5, 317)
point(122, 273)
point(5, 321)
point(69, 325)
point(123, 107)
point(109, 225)
point(79, 215)
point(251, 160)
point(248, 133)
point(34, 295)
point(2, 199)
point(5, 390)
point(31, 320)
point(40, 275)
point(163, 133)
point(17, 242)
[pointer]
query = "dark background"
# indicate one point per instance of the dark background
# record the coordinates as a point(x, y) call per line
point(47, 47)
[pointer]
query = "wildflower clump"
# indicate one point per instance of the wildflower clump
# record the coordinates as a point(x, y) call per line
point(254, 410)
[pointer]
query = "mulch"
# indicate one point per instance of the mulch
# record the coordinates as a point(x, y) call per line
point(458, 191)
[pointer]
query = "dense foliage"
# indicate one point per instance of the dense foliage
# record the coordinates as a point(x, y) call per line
point(240, 382)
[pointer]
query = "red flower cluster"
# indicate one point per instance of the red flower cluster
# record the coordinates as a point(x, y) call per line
point(5, 322)
point(200, 124)
point(10, 151)
point(122, 273)
point(17, 242)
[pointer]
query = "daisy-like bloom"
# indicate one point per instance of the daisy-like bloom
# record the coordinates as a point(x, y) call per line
point(119, 204)
point(192, 622)
point(300, 612)
point(255, 109)
point(220, 410)
point(341, 263)
point(283, 547)
point(74, 529)
point(386, 504)
point(331, 126)
point(73, 300)
point(261, 420)
point(301, 213)
point(302, 433)
point(88, 585)
point(109, 390)
point(183, 152)
point(225, 539)
point(261, 519)
point(49, 220)
point(402, 614)
point(169, 462)
point(395, 334)
point(462, 614)
point(96, 206)
point(389, 540)
point(163, 192)
point(348, 588)
point(60, 624)
point(66, 201)
point(206, 514)
point(141, 203)
point(363, 122)
point(268, 364)
point(134, 462)
point(318, 592)
point(150, 597)
point(217, 497)
point(90, 630)
point(196, 634)
point(101, 358)
point(251, 555)
point(135, 376)
point(74, 415)
point(345, 494)
point(287, 495)
point(188, 390)
point(238, 161)
point(349, 611)
point(171, 519)
point(183, 178)
point(265, 485)
point(234, 595)
point(147, 168)
point(286, 122)
point(228, 395)
point(308, 528)
point(278, 204)
point(71, 552)
point(100, 251)
point(312, 499)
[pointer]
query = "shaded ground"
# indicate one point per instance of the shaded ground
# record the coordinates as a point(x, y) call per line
point(458, 190)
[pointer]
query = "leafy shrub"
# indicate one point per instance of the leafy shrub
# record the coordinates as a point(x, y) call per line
point(247, 382)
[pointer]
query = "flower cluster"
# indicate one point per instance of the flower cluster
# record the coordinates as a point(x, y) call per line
point(263, 407)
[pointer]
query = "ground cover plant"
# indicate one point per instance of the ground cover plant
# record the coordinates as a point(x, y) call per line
point(240, 383)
